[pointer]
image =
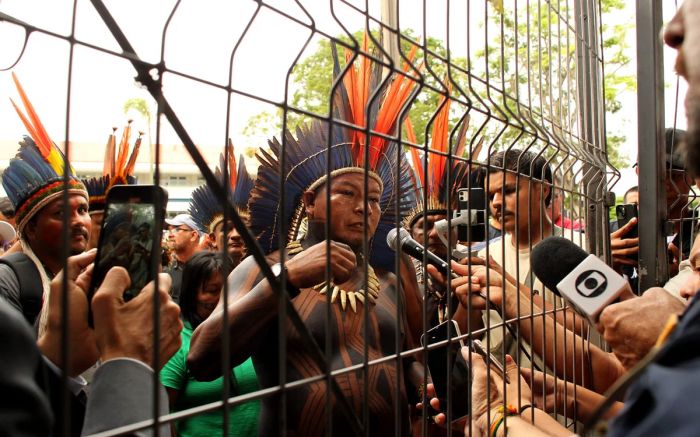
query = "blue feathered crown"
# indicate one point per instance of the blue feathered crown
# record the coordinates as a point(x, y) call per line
point(35, 176)
point(206, 210)
point(307, 156)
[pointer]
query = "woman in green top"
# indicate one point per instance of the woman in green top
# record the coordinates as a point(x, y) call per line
point(202, 281)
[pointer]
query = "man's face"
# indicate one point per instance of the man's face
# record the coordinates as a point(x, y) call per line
point(434, 245)
point(683, 34)
point(632, 197)
point(234, 243)
point(96, 220)
point(45, 228)
point(508, 195)
point(677, 189)
point(182, 237)
point(347, 199)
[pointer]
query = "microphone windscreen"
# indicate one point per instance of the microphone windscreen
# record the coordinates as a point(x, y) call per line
point(553, 259)
point(391, 240)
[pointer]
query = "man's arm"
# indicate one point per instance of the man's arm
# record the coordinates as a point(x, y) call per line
point(121, 394)
point(122, 389)
point(9, 287)
point(568, 353)
point(252, 306)
point(25, 407)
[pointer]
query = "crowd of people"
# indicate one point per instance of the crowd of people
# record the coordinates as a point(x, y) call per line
point(334, 293)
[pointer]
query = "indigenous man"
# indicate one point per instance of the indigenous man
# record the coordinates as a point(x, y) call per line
point(432, 206)
point(34, 182)
point(208, 212)
point(354, 198)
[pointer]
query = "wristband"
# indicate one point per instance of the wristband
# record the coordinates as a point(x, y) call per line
point(277, 271)
point(524, 407)
point(501, 412)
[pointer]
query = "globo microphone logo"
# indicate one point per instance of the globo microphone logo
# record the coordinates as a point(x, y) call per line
point(591, 283)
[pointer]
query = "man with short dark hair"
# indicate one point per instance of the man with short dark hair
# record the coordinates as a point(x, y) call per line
point(625, 250)
point(208, 212)
point(519, 189)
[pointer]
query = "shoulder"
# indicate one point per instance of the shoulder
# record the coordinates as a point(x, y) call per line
point(9, 286)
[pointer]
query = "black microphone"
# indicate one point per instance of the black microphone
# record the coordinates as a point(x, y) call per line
point(401, 241)
point(584, 280)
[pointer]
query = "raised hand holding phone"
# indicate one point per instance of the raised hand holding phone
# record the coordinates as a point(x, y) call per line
point(133, 215)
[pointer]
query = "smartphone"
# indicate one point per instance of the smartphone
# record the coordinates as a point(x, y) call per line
point(472, 201)
point(126, 236)
point(460, 377)
point(624, 213)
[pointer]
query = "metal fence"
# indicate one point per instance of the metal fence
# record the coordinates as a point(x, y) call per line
point(521, 75)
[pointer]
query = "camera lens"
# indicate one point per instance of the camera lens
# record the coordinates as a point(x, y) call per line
point(591, 283)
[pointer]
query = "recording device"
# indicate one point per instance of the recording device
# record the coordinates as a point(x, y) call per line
point(401, 241)
point(126, 237)
point(625, 213)
point(460, 376)
point(584, 280)
point(472, 204)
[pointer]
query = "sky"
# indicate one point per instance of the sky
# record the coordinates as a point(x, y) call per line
point(199, 41)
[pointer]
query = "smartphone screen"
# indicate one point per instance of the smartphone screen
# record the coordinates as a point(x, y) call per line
point(126, 237)
point(472, 201)
point(624, 213)
point(460, 377)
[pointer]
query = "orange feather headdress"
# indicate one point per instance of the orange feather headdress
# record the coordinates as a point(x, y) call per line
point(358, 140)
point(35, 176)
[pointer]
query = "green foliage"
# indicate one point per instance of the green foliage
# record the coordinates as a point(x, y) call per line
point(531, 70)
point(139, 105)
point(312, 81)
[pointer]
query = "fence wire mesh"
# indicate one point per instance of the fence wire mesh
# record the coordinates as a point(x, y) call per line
point(508, 93)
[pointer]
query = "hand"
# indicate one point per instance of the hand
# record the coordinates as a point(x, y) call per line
point(624, 250)
point(490, 382)
point(83, 349)
point(550, 393)
point(631, 327)
point(465, 286)
point(308, 268)
point(440, 418)
point(125, 329)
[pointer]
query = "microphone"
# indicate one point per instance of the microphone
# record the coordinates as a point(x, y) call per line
point(401, 241)
point(584, 280)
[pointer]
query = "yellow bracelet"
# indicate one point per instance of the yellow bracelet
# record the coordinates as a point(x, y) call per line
point(500, 413)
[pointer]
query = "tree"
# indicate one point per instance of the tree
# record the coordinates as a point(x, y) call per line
point(534, 59)
point(140, 105)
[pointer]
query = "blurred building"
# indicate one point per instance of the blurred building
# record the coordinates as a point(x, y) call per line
point(178, 174)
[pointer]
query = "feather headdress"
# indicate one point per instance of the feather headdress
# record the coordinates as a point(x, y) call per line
point(436, 183)
point(206, 210)
point(117, 170)
point(35, 176)
point(307, 156)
